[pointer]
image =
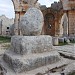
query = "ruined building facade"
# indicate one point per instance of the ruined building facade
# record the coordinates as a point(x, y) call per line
point(69, 9)
point(52, 17)
point(20, 8)
point(59, 19)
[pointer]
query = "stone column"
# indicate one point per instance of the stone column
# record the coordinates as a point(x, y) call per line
point(55, 41)
point(61, 28)
point(56, 27)
point(65, 25)
point(16, 23)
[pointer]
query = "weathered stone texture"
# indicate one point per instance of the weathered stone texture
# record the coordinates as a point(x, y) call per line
point(71, 15)
point(61, 40)
point(30, 62)
point(32, 22)
point(32, 3)
point(31, 44)
point(68, 4)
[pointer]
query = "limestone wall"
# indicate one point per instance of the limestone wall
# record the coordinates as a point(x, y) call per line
point(68, 4)
point(6, 24)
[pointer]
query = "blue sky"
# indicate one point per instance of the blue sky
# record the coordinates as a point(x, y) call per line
point(7, 9)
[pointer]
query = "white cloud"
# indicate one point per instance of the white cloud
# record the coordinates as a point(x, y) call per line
point(7, 8)
point(3, 10)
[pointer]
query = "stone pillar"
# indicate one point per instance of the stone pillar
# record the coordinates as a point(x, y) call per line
point(61, 28)
point(56, 27)
point(65, 25)
point(1, 27)
point(16, 23)
point(65, 29)
point(71, 15)
point(55, 41)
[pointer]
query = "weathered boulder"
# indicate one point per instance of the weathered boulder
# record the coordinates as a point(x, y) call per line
point(31, 44)
point(32, 22)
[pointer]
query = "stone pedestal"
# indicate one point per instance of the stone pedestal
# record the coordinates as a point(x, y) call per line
point(30, 52)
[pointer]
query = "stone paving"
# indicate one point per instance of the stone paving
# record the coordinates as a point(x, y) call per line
point(66, 49)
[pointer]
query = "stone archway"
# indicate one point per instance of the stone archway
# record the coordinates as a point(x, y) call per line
point(49, 24)
point(64, 25)
point(20, 8)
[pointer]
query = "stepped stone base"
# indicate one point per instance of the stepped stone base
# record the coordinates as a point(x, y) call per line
point(20, 63)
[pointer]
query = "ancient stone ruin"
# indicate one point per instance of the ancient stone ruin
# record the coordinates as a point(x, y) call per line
point(32, 50)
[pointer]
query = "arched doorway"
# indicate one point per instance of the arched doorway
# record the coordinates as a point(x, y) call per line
point(64, 25)
point(49, 26)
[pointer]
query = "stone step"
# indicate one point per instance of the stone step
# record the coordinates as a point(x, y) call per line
point(46, 68)
point(26, 63)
